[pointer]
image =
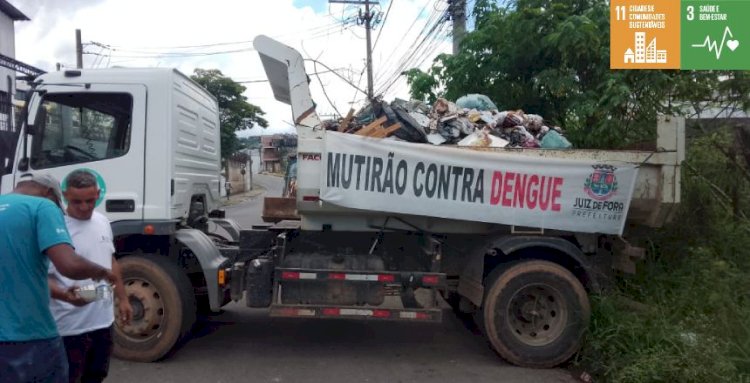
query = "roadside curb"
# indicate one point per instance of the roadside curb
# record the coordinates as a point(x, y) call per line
point(280, 175)
point(242, 197)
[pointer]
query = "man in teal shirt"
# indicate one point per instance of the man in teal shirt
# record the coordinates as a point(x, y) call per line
point(33, 232)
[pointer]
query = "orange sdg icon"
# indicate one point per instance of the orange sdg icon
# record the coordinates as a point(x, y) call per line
point(644, 34)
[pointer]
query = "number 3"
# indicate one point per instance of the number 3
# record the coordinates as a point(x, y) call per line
point(690, 15)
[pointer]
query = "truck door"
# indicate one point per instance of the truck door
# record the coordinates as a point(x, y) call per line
point(98, 127)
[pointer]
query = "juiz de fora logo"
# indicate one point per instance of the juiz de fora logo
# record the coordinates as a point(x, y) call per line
point(601, 185)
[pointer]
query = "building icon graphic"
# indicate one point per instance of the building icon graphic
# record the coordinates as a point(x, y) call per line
point(645, 54)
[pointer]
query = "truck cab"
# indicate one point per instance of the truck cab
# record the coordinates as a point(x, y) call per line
point(151, 138)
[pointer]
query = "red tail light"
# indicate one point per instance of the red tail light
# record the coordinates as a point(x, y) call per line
point(337, 276)
point(381, 313)
point(387, 278)
point(290, 275)
point(331, 312)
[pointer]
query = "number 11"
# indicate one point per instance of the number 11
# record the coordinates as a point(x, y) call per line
point(620, 12)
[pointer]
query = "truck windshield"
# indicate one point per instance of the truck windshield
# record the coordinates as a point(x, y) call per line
point(73, 128)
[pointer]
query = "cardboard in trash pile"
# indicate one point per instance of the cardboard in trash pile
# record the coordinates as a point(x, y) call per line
point(473, 120)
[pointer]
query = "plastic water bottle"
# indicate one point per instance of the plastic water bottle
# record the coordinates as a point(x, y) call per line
point(104, 292)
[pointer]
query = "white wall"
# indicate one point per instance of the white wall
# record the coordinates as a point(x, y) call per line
point(7, 48)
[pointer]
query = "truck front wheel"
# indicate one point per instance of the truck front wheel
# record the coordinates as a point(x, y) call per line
point(163, 308)
point(535, 313)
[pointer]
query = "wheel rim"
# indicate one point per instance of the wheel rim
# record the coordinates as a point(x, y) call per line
point(536, 314)
point(148, 310)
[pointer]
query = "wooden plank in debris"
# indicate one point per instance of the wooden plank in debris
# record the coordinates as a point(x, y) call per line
point(374, 132)
point(345, 123)
point(382, 133)
point(367, 130)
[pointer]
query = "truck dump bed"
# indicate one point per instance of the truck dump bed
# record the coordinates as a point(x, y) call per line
point(584, 190)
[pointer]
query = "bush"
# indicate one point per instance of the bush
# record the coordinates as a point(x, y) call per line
point(689, 325)
point(685, 316)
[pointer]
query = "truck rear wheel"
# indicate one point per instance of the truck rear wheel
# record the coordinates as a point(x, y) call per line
point(164, 308)
point(535, 313)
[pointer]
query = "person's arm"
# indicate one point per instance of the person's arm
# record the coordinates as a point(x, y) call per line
point(125, 311)
point(67, 295)
point(53, 237)
point(73, 266)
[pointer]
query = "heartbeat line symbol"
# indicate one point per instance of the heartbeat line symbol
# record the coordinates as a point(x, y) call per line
point(712, 44)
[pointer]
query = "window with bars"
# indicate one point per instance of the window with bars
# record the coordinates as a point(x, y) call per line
point(6, 107)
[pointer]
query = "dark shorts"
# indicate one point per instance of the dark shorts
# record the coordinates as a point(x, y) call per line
point(33, 361)
point(88, 355)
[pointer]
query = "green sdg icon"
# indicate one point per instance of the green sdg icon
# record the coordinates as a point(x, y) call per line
point(715, 34)
point(99, 181)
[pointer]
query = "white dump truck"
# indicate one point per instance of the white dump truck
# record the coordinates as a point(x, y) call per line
point(517, 236)
point(386, 230)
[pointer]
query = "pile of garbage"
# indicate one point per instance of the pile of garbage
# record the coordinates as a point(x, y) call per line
point(473, 120)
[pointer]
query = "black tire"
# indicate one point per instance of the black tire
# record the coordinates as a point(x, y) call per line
point(164, 296)
point(535, 313)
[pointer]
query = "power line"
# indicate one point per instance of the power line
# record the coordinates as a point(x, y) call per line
point(122, 52)
point(322, 87)
point(365, 18)
point(382, 26)
point(434, 21)
point(354, 97)
point(413, 23)
point(419, 53)
point(317, 72)
point(160, 55)
point(419, 59)
point(186, 46)
point(166, 50)
point(410, 49)
point(336, 73)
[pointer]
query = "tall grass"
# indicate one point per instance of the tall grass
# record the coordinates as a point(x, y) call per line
point(685, 316)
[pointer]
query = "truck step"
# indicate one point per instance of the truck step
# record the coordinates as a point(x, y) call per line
point(406, 278)
point(356, 312)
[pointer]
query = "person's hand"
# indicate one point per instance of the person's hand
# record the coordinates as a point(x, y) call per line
point(124, 311)
point(72, 297)
point(106, 275)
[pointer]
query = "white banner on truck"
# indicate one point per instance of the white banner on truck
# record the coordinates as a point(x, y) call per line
point(476, 185)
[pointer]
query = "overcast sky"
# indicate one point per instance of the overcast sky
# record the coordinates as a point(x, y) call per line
point(170, 33)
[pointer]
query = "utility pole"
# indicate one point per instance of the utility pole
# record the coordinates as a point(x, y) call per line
point(366, 19)
point(79, 50)
point(458, 15)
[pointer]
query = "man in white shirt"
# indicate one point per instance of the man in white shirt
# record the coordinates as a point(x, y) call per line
point(86, 327)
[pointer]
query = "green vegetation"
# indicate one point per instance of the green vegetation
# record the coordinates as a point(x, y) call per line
point(252, 142)
point(551, 57)
point(236, 113)
point(685, 316)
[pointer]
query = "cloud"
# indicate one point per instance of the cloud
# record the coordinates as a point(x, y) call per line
point(147, 33)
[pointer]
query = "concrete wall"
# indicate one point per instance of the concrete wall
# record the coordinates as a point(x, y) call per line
point(240, 182)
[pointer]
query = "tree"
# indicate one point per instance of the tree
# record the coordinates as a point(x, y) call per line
point(249, 142)
point(235, 112)
point(551, 57)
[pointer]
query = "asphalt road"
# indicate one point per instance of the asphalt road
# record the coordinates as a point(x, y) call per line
point(245, 345)
point(248, 213)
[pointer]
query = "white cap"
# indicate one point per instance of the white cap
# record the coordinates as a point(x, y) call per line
point(47, 180)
